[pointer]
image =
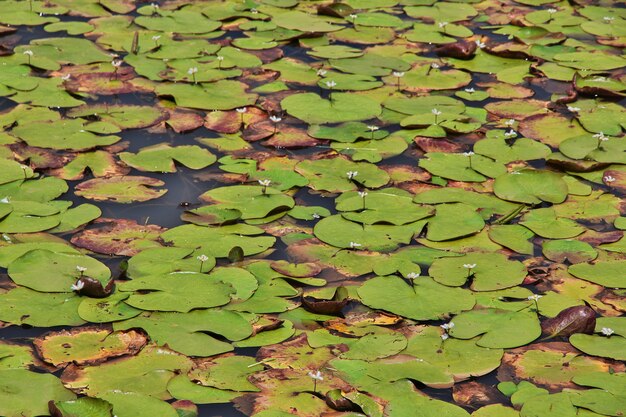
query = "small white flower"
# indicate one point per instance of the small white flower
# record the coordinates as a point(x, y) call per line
point(600, 136)
point(534, 297)
point(362, 194)
point(156, 37)
point(254, 11)
point(444, 336)
point(275, 119)
point(192, 70)
point(79, 285)
point(81, 269)
point(516, 173)
point(154, 5)
point(469, 266)
point(600, 79)
point(435, 112)
point(202, 258)
point(509, 122)
point(480, 44)
point(608, 178)
point(241, 110)
point(413, 275)
point(573, 109)
point(265, 183)
point(66, 77)
point(510, 134)
point(220, 58)
point(470, 90)
point(316, 216)
point(434, 65)
point(355, 245)
point(321, 72)
point(373, 128)
point(330, 84)
point(28, 52)
point(398, 74)
point(552, 11)
point(353, 16)
point(316, 375)
point(352, 174)
point(608, 19)
point(116, 63)
point(607, 331)
point(470, 153)
point(447, 326)
point(443, 24)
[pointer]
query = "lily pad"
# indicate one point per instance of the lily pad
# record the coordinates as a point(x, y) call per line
point(121, 189)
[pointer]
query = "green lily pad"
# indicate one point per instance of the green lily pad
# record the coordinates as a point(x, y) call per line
point(161, 157)
point(187, 332)
point(453, 221)
point(332, 174)
point(495, 327)
point(545, 223)
point(573, 251)
point(531, 187)
point(343, 107)
point(26, 393)
point(607, 273)
point(424, 300)
point(24, 306)
point(220, 95)
point(488, 271)
point(47, 271)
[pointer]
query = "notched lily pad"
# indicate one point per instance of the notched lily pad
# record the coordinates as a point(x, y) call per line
point(121, 189)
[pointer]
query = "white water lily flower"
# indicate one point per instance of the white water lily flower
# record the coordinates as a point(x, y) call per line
point(220, 58)
point(28, 52)
point(315, 216)
point(398, 74)
point(353, 16)
point(600, 136)
point(435, 112)
point(275, 119)
point(445, 336)
point(316, 375)
point(241, 110)
point(352, 174)
point(447, 326)
point(534, 297)
point(469, 266)
point(443, 24)
point(202, 258)
point(413, 275)
point(607, 331)
point(330, 84)
point(509, 122)
point(470, 153)
point(117, 63)
point(434, 65)
point(480, 44)
point(321, 72)
point(192, 70)
point(355, 245)
point(66, 77)
point(81, 269)
point(510, 134)
point(608, 178)
point(608, 19)
point(79, 285)
point(573, 109)
point(552, 11)
point(362, 194)
point(373, 128)
point(156, 37)
point(265, 183)
point(470, 90)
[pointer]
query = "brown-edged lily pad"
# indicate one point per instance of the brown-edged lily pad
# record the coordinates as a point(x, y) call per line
point(121, 189)
point(119, 237)
point(87, 345)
